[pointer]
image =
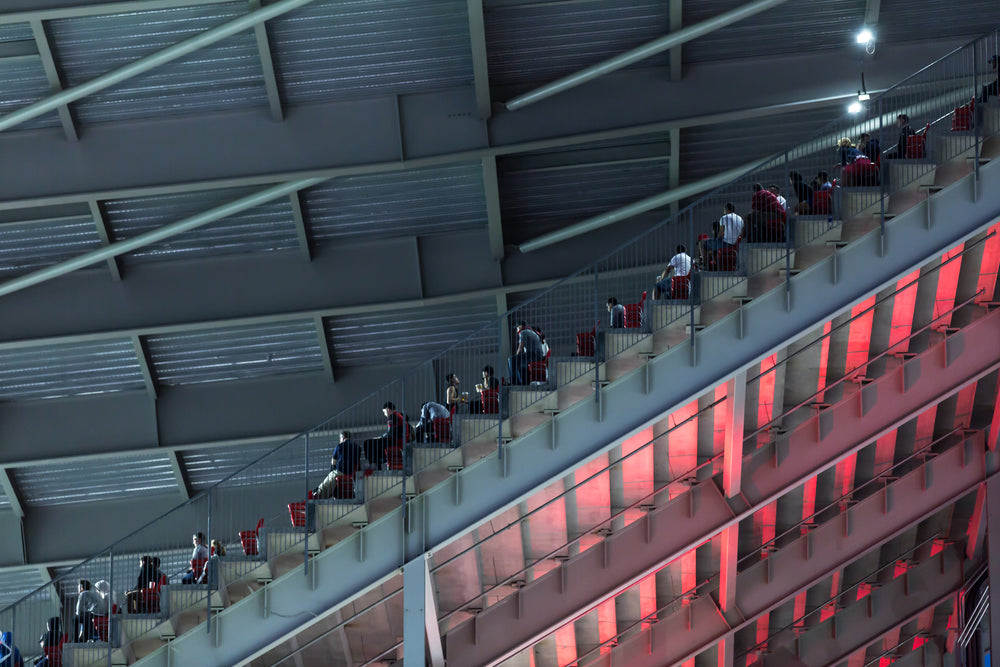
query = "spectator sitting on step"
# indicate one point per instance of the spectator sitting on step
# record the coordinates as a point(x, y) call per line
point(489, 383)
point(848, 153)
point(51, 642)
point(726, 232)
point(803, 192)
point(199, 554)
point(869, 146)
point(822, 181)
point(88, 604)
point(678, 268)
point(992, 88)
point(346, 460)
point(429, 411)
point(395, 433)
point(777, 193)
point(529, 350)
point(617, 314)
point(219, 549)
point(905, 131)
point(111, 600)
point(146, 575)
point(765, 216)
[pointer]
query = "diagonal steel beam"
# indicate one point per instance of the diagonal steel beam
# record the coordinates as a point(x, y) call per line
point(324, 347)
point(52, 74)
point(179, 476)
point(299, 219)
point(149, 62)
point(674, 39)
point(167, 231)
point(144, 366)
point(480, 66)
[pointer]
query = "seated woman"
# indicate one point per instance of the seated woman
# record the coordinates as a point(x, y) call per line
point(489, 383)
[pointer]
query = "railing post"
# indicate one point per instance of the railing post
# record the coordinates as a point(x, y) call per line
point(600, 350)
point(883, 184)
point(308, 507)
point(111, 600)
point(978, 119)
point(692, 284)
point(207, 566)
point(788, 250)
point(501, 403)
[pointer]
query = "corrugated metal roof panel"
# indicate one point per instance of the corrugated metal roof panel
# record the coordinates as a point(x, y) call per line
point(29, 245)
point(17, 582)
point(538, 43)
point(91, 480)
point(205, 467)
point(334, 49)
point(421, 202)
point(400, 336)
point(69, 370)
point(235, 353)
point(22, 82)
point(536, 202)
point(15, 32)
point(792, 27)
point(225, 75)
point(267, 227)
point(710, 149)
point(902, 21)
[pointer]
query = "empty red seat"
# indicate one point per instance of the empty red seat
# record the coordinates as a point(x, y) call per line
point(585, 343)
point(916, 144)
point(727, 258)
point(441, 429)
point(394, 458)
point(633, 313)
point(297, 513)
point(343, 487)
point(963, 118)
point(490, 399)
point(538, 371)
point(249, 539)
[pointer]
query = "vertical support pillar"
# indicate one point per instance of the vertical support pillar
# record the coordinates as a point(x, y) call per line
point(727, 646)
point(993, 553)
point(421, 637)
point(727, 572)
point(732, 459)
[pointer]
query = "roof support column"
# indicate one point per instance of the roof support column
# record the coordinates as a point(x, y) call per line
point(480, 66)
point(267, 66)
point(676, 20)
point(420, 614)
point(102, 230)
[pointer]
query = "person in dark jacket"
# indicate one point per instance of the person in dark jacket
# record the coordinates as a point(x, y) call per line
point(10, 656)
point(905, 131)
point(346, 460)
point(394, 436)
point(51, 641)
point(803, 191)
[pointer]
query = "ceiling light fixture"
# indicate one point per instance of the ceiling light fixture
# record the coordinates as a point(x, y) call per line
point(865, 36)
point(855, 107)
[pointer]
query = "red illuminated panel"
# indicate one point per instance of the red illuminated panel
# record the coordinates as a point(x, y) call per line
point(765, 400)
point(902, 312)
point(860, 335)
point(964, 404)
point(607, 627)
point(647, 599)
point(947, 284)
point(565, 638)
point(991, 265)
point(828, 609)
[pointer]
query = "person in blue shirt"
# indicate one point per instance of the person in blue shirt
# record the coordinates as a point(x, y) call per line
point(10, 656)
point(529, 349)
point(346, 460)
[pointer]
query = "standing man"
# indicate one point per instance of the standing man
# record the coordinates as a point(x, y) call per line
point(617, 312)
point(529, 349)
point(903, 121)
point(88, 604)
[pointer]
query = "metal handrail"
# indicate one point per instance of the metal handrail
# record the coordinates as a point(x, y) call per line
point(593, 266)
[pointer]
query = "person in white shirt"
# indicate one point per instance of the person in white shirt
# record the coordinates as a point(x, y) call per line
point(726, 232)
point(201, 554)
point(675, 278)
point(781, 200)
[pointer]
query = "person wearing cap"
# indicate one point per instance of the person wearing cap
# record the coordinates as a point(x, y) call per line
point(992, 88)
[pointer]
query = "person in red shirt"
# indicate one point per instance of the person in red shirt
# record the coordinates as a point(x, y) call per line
point(766, 220)
point(395, 436)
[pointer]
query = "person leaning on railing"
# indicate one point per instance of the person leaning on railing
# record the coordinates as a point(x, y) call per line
point(529, 349)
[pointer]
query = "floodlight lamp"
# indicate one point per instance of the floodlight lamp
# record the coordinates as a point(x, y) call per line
point(864, 97)
point(865, 36)
point(854, 108)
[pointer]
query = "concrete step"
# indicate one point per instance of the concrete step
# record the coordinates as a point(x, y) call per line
point(722, 285)
point(764, 256)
